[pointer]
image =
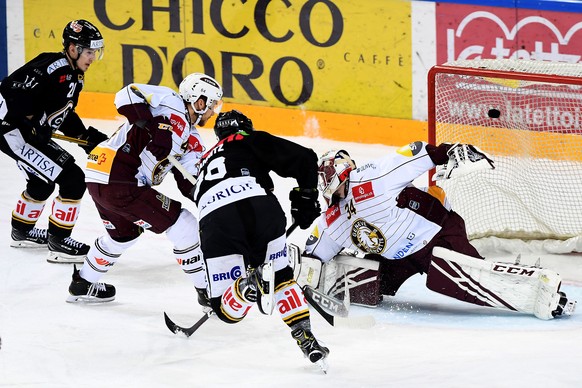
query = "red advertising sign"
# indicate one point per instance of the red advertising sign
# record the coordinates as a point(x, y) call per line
point(474, 32)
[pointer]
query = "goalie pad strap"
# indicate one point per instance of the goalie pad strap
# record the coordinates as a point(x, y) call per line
point(423, 204)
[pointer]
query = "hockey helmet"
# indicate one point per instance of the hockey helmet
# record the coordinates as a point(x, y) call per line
point(334, 169)
point(231, 122)
point(84, 35)
point(201, 86)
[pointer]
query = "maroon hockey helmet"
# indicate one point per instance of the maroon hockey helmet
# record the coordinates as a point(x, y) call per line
point(334, 169)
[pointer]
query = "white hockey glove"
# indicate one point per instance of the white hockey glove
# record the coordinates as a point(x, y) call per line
point(463, 159)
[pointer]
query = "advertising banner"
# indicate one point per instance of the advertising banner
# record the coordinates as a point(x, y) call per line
point(473, 32)
point(316, 55)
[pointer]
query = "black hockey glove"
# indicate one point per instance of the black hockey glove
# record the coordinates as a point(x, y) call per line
point(36, 134)
point(160, 130)
point(42, 134)
point(304, 206)
point(93, 137)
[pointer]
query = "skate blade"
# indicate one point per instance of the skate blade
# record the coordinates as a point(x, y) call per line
point(569, 308)
point(27, 245)
point(88, 299)
point(322, 364)
point(63, 258)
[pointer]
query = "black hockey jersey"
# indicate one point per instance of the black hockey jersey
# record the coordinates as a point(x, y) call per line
point(46, 89)
point(238, 167)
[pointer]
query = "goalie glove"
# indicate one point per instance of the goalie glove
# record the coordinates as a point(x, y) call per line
point(463, 159)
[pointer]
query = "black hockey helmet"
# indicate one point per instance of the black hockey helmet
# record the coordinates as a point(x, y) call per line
point(84, 35)
point(231, 122)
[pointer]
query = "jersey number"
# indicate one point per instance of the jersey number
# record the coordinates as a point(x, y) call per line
point(216, 169)
point(72, 87)
point(350, 209)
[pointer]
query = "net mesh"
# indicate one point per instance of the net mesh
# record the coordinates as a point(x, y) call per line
point(527, 115)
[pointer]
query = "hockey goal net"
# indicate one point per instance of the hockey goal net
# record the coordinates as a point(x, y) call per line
point(527, 115)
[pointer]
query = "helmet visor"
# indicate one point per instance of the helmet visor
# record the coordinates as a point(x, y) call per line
point(96, 53)
point(216, 106)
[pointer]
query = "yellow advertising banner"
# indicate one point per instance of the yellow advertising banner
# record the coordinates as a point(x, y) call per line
point(337, 56)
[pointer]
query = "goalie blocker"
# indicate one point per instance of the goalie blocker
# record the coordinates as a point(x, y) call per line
point(515, 287)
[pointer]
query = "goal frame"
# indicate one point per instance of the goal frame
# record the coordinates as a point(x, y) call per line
point(550, 77)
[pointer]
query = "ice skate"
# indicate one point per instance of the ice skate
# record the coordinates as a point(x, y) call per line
point(315, 352)
point(565, 306)
point(203, 298)
point(66, 250)
point(83, 291)
point(33, 238)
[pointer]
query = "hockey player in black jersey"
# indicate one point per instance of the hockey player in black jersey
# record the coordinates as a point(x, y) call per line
point(35, 100)
point(242, 225)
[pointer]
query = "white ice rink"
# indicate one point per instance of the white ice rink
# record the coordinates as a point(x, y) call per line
point(421, 339)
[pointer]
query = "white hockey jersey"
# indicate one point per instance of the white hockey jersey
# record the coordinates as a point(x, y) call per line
point(123, 158)
point(367, 220)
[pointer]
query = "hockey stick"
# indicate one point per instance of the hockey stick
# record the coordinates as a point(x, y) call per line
point(326, 305)
point(188, 331)
point(69, 139)
point(181, 168)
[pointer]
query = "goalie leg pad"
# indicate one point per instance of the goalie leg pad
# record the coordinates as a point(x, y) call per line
point(362, 278)
point(529, 290)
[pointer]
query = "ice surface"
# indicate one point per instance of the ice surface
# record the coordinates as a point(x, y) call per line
point(421, 339)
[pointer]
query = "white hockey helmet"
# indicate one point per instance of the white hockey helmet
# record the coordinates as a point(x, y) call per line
point(334, 168)
point(201, 86)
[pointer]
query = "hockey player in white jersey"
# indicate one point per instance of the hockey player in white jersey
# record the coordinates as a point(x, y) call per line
point(122, 171)
point(376, 211)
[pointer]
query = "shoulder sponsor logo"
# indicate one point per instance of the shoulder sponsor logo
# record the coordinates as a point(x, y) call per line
point(194, 144)
point(367, 237)
point(178, 123)
point(332, 214)
point(27, 84)
point(363, 192)
point(56, 65)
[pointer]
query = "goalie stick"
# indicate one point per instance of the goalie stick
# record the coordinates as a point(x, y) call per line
point(334, 311)
point(188, 331)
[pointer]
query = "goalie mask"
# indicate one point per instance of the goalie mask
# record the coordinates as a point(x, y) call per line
point(334, 169)
point(231, 122)
point(201, 86)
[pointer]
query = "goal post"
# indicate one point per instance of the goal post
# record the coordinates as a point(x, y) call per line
point(528, 116)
